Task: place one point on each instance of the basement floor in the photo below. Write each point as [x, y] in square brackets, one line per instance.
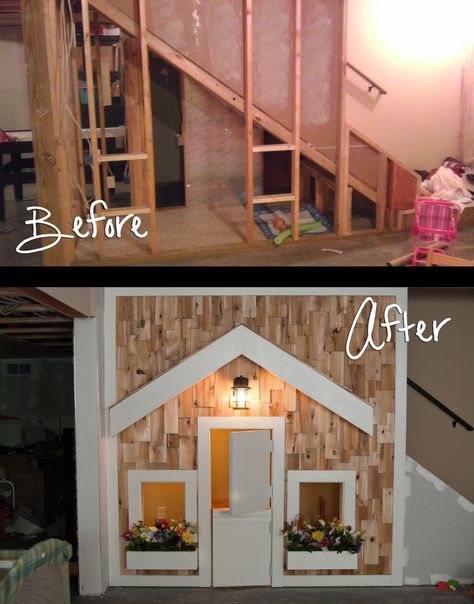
[190, 236]
[302, 595]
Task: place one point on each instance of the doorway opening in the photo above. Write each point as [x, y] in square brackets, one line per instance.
[167, 108]
[241, 500]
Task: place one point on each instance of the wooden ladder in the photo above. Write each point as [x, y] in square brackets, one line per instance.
[100, 157]
[294, 147]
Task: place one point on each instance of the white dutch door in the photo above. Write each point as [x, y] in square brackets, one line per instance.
[242, 537]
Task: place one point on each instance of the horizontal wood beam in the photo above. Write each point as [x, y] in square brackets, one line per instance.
[46, 336]
[50, 302]
[33, 330]
[36, 320]
[26, 307]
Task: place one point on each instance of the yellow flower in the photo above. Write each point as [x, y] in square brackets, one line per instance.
[187, 537]
[317, 535]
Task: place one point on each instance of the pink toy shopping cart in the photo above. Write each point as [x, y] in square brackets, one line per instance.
[436, 221]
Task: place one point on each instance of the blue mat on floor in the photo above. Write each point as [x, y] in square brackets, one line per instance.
[265, 215]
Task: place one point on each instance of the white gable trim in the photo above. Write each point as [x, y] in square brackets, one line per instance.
[241, 341]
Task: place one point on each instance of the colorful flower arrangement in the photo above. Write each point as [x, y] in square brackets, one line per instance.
[304, 536]
[164, 536]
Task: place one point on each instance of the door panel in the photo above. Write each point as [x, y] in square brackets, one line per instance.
[249, 472]
[241, 549]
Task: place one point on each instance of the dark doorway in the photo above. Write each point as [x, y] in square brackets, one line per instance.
[166, 91]
[276, 168]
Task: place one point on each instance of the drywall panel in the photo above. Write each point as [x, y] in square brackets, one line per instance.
[207, 32]
[439, 530]
[320, 59]
[210, 33]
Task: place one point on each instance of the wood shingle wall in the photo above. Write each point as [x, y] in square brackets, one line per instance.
[154, 334]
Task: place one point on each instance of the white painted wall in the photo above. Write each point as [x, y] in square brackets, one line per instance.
[439, 530]
[415, 50]
[83, 299]
[14, 108]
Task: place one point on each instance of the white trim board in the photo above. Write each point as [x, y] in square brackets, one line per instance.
[346, 478]
[242, 341]
[205, 425]
[136, 478]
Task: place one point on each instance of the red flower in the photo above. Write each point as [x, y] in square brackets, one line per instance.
[326, 541]
[443, 586]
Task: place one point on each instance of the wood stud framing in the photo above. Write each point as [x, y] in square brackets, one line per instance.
[294, 145]
[102, 158]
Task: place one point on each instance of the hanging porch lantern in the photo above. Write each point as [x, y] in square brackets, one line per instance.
[240, 393]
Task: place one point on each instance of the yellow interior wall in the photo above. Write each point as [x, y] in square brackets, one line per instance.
[220, 456]
[169, 495]
[310, 492]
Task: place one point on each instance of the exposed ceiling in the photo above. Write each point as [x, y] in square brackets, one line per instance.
[24, 316]
[10, 12]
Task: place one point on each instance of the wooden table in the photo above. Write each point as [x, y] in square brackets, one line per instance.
[13, 170]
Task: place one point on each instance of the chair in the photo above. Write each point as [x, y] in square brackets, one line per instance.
[436, 221]
[437, 259]
[37, 575]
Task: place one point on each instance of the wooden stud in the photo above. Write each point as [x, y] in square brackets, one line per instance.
[100, 95]
[148, 125]
[343, 135]
[92, 116]
[296, 121]
[134, 118]
[45, 72]
[382, 185]
[248, 96]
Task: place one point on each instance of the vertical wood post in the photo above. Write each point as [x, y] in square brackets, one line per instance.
[248, 94]
[100, 96]
[382, 189]
[296, 126]
[56, 191]
[150, 169]
[134, 118]
[92, 116]
[342, 225]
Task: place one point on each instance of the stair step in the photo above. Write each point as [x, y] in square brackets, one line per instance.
[107, 159]
[285, 197]
[272, 148]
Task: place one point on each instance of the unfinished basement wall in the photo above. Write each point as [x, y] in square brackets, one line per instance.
[14, 107]
[156, 333]
[415, 51]
[215, 155]
[210, 34]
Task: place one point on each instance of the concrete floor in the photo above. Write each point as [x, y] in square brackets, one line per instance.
[303, 595]
[188, 230]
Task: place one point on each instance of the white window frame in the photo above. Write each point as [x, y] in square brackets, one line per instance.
[136, 478]
[347, 480]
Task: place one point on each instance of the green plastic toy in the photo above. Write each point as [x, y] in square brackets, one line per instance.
[304, 228]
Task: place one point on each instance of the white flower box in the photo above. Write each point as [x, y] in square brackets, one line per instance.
[321, 561]
[162, 560]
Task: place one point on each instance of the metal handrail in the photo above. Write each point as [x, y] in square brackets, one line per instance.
[372, 84]
[455, 417]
